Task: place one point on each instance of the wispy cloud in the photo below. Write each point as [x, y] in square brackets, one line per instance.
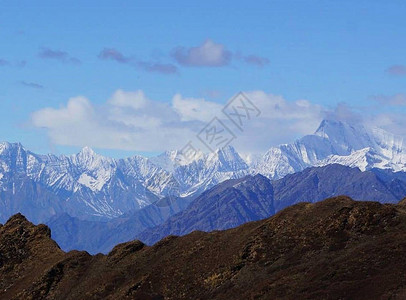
[208, 54]
[21, 64]
[31, 84]
[397, 70]
[157, 67]
[117, 56]
[256, 60]
[4, 63]
[7, 63]
[212, 54]
[62, 56]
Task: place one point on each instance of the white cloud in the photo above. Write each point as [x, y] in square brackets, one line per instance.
[280, 121]
[132, 121]
[127, 121]
[392, 122]
[207, 54]
[73, 124]
[77, 109]
[395, 100]
[135, 100]
[192, 109]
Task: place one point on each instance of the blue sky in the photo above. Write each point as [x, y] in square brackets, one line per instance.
[327, 52]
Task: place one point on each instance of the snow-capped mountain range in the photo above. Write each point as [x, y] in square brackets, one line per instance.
[89, 185]
[352, 145]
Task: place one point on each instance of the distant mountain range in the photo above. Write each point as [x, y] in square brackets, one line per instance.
[92, 187]
[235, 202]
[227, 205]
[101, 236]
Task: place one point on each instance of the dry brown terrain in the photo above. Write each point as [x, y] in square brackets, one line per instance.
[334, 249]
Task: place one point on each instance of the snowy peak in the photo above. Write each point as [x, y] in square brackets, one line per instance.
[170, 160]
[356, 136]
[344, 137]
[87, 155]
[350, 144]
[228, 153]
[6, 147]
[226, 156]
[348, 138]
[87, 151]
[13, 157]
[331, 128]
[227, 159]
[87, 159]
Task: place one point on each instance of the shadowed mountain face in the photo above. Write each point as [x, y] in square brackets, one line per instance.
[334, 249]
[315, 184]
[225, 206]
[229, 204]
[95, 236]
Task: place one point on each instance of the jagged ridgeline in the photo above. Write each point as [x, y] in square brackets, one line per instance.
[334, 249]
[93, 187]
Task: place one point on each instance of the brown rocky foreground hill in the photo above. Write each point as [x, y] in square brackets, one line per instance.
[335, 249]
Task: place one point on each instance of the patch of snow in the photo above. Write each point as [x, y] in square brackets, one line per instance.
[92, 183]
